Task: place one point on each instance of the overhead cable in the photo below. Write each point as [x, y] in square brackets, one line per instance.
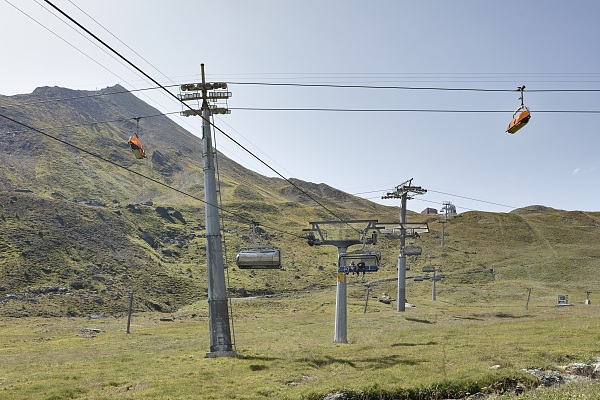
[185, 104]
[133, 172]
[330, 85]
[403, 110]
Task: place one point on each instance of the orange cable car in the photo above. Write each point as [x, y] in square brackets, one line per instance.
[519, 120]
[135, 144]
[136, 147]
[521, 116]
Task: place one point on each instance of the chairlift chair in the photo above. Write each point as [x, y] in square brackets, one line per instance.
[134, 142]
[359, 261]
[259, 256]
[136, 147]
[412, 250]
[520, 117]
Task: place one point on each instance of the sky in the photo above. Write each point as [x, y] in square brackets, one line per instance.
[437, 86]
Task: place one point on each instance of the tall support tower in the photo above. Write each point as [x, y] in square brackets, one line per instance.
[218, 313]
[342, 235]
[402, 192]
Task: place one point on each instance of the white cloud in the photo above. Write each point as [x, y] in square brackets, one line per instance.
[578, 170]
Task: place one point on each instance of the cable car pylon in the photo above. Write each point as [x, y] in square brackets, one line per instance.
[405, 191]
[343, 235]
[221, 344]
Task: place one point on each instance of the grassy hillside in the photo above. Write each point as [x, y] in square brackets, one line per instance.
[79, 233]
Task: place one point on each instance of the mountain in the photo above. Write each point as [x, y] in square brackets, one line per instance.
[82, 226]
[84, 222]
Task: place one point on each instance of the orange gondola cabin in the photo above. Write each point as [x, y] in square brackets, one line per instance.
[136, 147]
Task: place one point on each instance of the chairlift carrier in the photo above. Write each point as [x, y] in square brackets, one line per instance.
[259, 256]
[412, 250]
[135, 144]
[521, 116]
[359, 261]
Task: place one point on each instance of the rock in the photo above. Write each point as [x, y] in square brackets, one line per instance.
[77, 285]
[134, 208]
[178, 215]
[338, 396]
[580, 369]
[146, 237]
[89, 331]
[163, 212]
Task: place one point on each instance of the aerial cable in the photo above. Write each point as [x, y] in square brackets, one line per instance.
[104, 50]
[58, 36]
[434, 202]
[137, 173]
[122, 119]
[404, 110]
[470, 198]
[75, 46]
[258, 148]
[123, 43]
[185, 104]
[328, 85]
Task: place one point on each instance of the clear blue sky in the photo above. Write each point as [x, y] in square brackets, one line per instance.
[477, 44]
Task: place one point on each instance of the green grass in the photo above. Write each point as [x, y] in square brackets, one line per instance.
[284, 342]
[285, 350]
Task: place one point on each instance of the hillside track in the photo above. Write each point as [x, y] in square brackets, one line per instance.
[538, 233]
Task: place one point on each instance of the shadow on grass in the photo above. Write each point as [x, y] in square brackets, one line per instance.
[375, 362]
[471, 318]
[413, 344]
[390, 361]
[257, 358]
[506, 315]
[423, 321]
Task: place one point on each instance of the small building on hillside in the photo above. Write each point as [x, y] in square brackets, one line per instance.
[429, 211]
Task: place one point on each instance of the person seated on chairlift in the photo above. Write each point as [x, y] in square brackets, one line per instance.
[361, 265]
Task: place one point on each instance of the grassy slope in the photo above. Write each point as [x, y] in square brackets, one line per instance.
[285, 350]
[100, 253]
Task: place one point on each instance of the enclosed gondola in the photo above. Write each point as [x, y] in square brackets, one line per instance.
[259, 256]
